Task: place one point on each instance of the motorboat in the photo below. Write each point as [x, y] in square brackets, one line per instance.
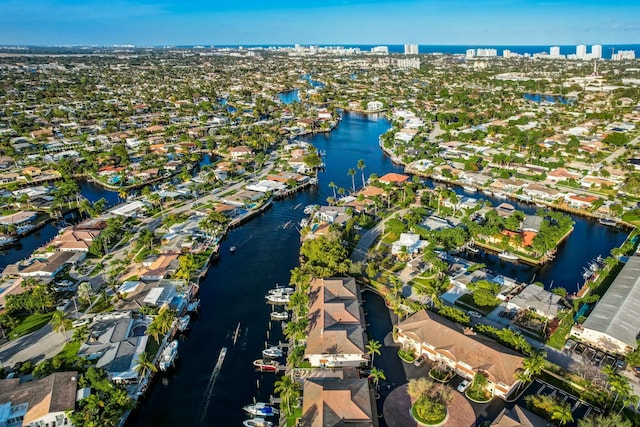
[257, 422]
[183, 323]
[469, 189]
[168, 355]
[7, 241]
[473, 249]
[272, 352]
[266, 365]
[193, 305]
[232, 249]
[277, 299]
[508, 256]
[279, 315]
[608, 221]
[261, 409]
[304, 222]
[281, 290]
[309, 209]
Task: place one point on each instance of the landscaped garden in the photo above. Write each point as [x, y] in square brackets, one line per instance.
[477, 391]
[407, 355]
[429, 401]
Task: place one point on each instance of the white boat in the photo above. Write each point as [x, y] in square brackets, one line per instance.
[7, 241]
[277, 299]
[257, 422]
[469, 189]
[309, 209]
[281, 290]
[304, 222]
[506, 255]
[272, 352]
[266, 365]
[261, 409]
[168, 355]
[499, 195]
[472, 249]
[183, 323]
[608, 221]
[232, 249]
[279, 315]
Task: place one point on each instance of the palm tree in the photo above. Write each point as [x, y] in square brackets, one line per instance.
[361, 167]
[288, 389]
[562, 413]
[604, 420]
[376, 375]
[373, 348]
[60, 323]
[187, 266]
[333, 186]
[122, 194]
[145, 364]
[534, 364]
[352, 174]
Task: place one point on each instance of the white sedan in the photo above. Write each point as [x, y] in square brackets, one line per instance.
[463, 386]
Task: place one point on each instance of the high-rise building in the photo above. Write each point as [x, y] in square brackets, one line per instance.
[470, 53]
[554, 51]
[596, 51]
[621, 55]
[506, 53]
[487, 52]
[581, 51]
[410, 49]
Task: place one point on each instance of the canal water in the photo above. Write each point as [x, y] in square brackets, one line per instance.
[232, 295]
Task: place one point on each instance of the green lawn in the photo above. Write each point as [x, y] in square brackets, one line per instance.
[70, 351]
[389, 238]
[30, 323]
[467, 300]
[559, 337]
[292, 420]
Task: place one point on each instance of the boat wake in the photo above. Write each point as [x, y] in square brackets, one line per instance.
[208, 392]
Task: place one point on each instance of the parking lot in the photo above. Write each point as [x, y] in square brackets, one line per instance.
[591, 355]
[579, 408]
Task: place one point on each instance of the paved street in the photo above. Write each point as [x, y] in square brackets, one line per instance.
[39, 345]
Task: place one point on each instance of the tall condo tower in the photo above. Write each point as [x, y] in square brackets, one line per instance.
[410, 49]
[554, 51]
[596, 51]
[581, 51]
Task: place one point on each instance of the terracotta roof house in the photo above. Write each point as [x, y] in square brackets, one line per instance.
[336, 335]
[47, 267]
[329, 402]
[393, 178]
[240, 151]
[519, 417]
[463, 351]
[75, 240]
[38, 402]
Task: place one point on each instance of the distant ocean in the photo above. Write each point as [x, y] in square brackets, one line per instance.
[461, 49]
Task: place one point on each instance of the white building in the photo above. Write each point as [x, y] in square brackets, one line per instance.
[374, 106]
[554, 51]
[409, 242]
[410, 49]
[623, 55]
[487, 53]
[506, 53]
[471, 53]
[613, 325]
[581, 51]
[596, 51]
[380, 49]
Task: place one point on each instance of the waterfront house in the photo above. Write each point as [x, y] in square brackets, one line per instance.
[117, 339]
[614, 324]
[329, 402]
[18, 218]
[39, 402]
[73, 239]
[580, 202]
[332, 214]
[409, 242]
[393, 178]
[47, 267]
[336, 335]
[562, 174]
[461, 350]
[535, 298]
[240, 151]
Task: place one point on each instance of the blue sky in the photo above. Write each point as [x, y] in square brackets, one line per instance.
[216, 22]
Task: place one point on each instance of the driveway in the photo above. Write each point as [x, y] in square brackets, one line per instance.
[36, 346]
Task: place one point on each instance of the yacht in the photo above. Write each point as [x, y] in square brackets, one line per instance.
[608, 221]
[279, 315]
[232, 249]
[183, 322]
[508, 256]
[168, 355]
[272, 352]
[261, 409]
[257, 422]
[309, 209]
[7, 241]
[281, 290]
[277, 298]
[266, 365]
[193, 305]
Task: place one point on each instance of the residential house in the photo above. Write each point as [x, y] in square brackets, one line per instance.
[393, 178]
[336, 335]
[32, 171]
[73, 239]
[333, 402]
[535, 298]
[240, 151]
[374, 106]
[580, 202]
[39, 402]
[519, 417]
[410, 243]
[48, 267]
[332, 214]
[18, 218]
[562, 174]
[461, 350]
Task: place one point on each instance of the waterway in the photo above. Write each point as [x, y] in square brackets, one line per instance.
[538, 97]
[267, 249]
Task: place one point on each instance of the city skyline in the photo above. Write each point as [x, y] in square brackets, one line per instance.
[488, 22]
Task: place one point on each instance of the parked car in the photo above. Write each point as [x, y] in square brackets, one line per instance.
[420, 360]
[463, 386]
[474, 314]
